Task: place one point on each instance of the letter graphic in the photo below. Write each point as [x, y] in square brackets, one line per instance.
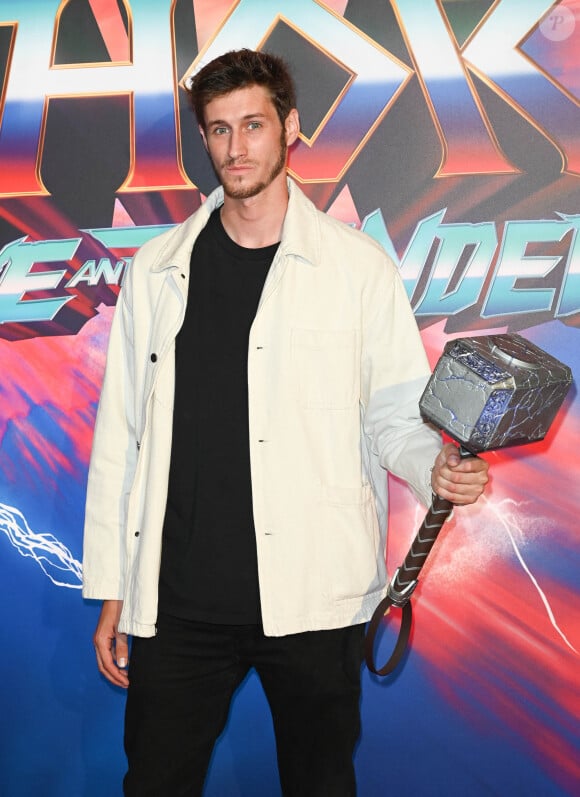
[17, 279]
[505, 297]
[461, 255]
[569, 301]
[32, 79]
[495, 53]
[467, 138]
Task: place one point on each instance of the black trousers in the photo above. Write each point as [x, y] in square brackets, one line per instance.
[181, 685]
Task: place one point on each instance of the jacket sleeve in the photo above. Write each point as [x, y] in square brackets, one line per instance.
[112, 465]
[395, 371]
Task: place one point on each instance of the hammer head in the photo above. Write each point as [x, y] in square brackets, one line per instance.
[494, 391]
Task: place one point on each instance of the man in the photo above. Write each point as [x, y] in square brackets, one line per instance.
[263, 372]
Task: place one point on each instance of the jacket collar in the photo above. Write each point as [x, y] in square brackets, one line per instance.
[300, 231]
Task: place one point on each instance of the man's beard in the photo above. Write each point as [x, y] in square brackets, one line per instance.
[245, 192]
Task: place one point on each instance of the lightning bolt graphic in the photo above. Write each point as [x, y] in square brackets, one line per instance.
[54, 558]
[510, 525]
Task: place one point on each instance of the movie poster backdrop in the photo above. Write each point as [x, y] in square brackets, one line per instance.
[447, 130]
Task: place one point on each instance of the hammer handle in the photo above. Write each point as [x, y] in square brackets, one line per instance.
[402, 585]
[404, 582]
[408, 572]
[405, 578]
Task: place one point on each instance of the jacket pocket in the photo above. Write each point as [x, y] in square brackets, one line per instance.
[352, 542]
[325, 364]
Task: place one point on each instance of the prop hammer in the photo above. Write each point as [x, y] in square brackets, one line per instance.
[486, 392]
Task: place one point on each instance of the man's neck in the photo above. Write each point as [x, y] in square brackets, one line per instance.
[256, 222]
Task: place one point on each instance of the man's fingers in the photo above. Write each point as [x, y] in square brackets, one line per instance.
[461, 487]
[110, 670]
[110, 651]
[459, 480]
[111, 647]
[121, 650]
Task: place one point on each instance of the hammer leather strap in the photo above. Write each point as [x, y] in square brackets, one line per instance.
[402, 639]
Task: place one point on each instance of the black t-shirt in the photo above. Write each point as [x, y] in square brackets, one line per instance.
[209, 566]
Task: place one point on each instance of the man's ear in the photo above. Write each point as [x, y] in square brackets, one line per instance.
[203, 138]
[292, 126]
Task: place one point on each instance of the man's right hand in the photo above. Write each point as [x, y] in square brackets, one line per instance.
[111, 647]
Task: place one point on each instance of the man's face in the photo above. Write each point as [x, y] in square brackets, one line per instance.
[246, 141]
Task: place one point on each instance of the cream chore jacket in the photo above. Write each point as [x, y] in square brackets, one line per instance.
[335, 371]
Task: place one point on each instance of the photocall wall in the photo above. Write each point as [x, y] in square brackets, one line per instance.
[448, 131]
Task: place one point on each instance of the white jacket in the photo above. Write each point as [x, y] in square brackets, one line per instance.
[335, 371]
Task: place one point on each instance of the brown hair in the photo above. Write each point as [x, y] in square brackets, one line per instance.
[238, 69]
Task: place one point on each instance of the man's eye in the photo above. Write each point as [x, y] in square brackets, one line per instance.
[254, 125]
[219, 131]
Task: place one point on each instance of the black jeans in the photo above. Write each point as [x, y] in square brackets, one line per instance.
[181, 685]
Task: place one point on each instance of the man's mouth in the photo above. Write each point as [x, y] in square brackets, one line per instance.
[237, 166]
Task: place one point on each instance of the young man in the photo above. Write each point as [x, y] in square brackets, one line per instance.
[264, 371]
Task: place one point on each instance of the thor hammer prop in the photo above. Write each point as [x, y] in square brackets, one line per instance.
[486, 392]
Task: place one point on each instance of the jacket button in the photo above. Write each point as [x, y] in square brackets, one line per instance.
[137, 533]
[153, 358]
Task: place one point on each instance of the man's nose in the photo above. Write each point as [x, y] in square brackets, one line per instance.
[237, 144]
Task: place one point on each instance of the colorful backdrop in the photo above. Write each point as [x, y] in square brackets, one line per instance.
[449, 131]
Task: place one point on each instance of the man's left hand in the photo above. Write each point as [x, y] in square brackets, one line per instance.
[460, 481]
